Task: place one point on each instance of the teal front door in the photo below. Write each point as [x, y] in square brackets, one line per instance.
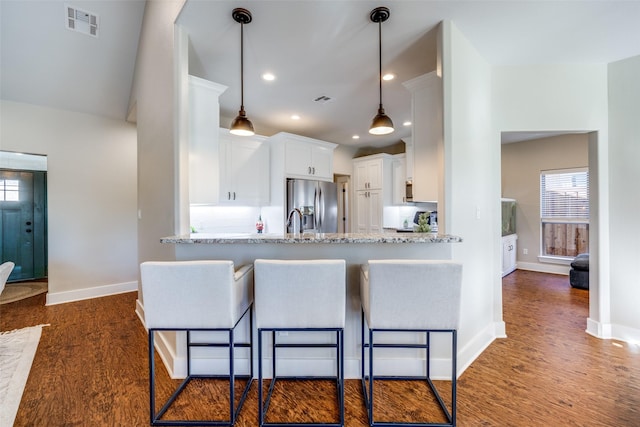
[23, 223]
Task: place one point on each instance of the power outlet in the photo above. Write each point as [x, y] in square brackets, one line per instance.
[525, 251]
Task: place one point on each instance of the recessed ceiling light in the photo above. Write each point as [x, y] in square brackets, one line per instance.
[407, 123]
[355, 137]
[268, 77]
[388, 76]
[295, 117]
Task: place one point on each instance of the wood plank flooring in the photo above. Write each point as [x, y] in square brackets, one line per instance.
[91, 368]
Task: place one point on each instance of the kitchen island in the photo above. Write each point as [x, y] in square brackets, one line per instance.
[355, 249]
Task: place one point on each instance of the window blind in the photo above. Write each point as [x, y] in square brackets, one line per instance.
[564, 195]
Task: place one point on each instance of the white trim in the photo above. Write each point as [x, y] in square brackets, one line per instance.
[544, 268]
[613, 331]
[476, 345]
[54, 298]
[547, 259]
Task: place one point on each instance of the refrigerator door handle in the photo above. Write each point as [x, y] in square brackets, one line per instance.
[318, 216]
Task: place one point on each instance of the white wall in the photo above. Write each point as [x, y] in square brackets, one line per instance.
[91, 196]
[624, 227]
[472, 190]
[154, 98]
[567, 97]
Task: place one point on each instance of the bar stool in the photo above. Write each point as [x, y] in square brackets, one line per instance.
[294, 296]
[197, 296]
[409, 296]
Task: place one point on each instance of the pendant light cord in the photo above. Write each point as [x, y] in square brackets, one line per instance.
[242, 66]
[380, 59]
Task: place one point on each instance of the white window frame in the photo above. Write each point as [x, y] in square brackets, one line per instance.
[560, 219]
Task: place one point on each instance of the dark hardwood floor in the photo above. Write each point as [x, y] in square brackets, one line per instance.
[91, 368]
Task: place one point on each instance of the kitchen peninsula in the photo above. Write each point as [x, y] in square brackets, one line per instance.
[355, 248]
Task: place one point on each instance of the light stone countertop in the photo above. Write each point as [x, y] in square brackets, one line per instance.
[335, 238]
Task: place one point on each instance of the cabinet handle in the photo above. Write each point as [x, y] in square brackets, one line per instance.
[234, 195]
[228, 195]
[314, 170]
[309, 168]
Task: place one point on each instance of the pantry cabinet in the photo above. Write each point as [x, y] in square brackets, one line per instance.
[373, 191]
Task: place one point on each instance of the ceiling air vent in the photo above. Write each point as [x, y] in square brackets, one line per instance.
[322, 99]
[81, 21]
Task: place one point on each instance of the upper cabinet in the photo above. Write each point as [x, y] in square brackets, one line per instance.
[368, 172]
[244, 169]
[306, 157]
[223, 168]
[204, 123]
[427, 140]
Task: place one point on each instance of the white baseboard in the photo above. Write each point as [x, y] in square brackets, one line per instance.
[613, 331]
[54, 298]
[544, 268]
[470, 352]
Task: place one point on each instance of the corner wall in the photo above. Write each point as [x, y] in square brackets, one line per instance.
[624, 227]
[472, 190]
[154, 99]
[91, 192]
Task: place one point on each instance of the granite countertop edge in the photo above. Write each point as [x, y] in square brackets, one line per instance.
[335, 238]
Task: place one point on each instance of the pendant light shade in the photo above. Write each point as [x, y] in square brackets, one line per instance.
[381, 124]
[241, 125]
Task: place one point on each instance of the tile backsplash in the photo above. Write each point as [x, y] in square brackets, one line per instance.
[224, 219]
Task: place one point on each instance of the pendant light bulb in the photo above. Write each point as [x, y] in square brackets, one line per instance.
[241, 125]
[381, 123]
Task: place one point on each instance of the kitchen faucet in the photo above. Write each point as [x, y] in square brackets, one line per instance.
[291, 223]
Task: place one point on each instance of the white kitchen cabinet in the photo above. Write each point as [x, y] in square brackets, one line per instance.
[204, 124]
[243, 169]
[509, 253]
[373, 191]
[399, 177]
[307, 158]
[368, 174]
[369, 208]
[427, 138]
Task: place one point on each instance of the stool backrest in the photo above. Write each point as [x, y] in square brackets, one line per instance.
[300, 293]
[5, 271]
[190, 294]
[420, 294]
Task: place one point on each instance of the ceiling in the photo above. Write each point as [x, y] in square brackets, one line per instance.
[315, 48]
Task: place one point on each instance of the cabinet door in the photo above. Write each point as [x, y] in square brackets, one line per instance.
[368, 174]
[322, 162]
[509, 252]
[399, 181]
[362, 212]
[298, 159]
[375, 211]
[244, 172]
[374, 171]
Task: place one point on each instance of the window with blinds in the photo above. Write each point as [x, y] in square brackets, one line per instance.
[564, 212]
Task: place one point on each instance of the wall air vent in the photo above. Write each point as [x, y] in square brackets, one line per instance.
[81, 21]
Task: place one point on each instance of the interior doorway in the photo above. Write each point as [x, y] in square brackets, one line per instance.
[23, 218]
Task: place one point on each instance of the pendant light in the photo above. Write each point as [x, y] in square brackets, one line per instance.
[381, 124]
[241, 125]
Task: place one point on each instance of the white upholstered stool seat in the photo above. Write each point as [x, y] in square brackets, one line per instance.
[197, 296]
[300, 295]
[421, 296]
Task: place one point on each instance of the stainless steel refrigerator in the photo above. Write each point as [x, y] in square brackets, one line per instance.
[317, 202]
